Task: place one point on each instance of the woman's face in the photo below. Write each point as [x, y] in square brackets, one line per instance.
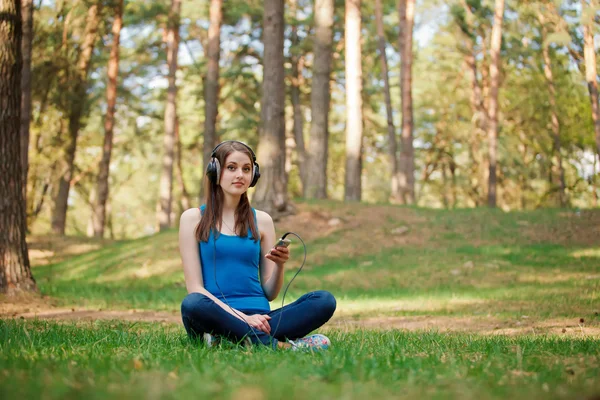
[236, 174]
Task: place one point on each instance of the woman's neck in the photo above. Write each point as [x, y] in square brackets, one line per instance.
[230, 204]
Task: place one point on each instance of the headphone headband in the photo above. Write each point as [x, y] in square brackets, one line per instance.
[214, 152]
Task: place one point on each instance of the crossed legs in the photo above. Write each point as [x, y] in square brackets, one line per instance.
[202, 315]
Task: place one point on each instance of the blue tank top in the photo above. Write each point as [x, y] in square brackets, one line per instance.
[236, 265]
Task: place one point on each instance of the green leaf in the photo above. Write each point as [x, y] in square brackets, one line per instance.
[560, 38]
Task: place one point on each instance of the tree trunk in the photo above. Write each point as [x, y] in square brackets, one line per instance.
[296, 82]
[493, 102]
[480, 115]
[316, 171]
[523, 179]
[211, 83]
[185, 196]
[32, 210]
[445, 188]
[99, 210]
[594, 185]
[15, 272]
[354, 122]
[166, 179]
[485, 68]
[27, 20]
[92, 201]
[109, 221]
[392, 145]
[479, 122]
[271, 190]
[562, 198]
[76, 106]
[591, 72]
[484, 171]
[452, 167]
[406, 10]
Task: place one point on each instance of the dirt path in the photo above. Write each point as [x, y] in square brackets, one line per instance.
[40, 308]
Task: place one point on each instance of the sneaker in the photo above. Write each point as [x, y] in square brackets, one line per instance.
[210, 340]
[213, 341]
[313, 342]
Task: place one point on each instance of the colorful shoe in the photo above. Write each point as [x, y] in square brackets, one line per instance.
[214, 341]
[210, 340]
[313, 342]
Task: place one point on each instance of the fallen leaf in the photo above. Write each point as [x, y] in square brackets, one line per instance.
[137, 364]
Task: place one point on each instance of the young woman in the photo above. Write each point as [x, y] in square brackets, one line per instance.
[232, 269]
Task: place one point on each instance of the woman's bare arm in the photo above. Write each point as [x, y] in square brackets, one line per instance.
[271, 266]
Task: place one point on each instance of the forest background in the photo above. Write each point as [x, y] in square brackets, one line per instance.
[438, 104]
[546, 145]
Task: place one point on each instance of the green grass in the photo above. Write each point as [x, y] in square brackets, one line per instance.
[481, 264]
[106, 359]
[543, 263]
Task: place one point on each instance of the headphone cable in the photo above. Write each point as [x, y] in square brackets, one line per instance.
[291, 280]
[215, 269]
[284, 292]
[223, 294]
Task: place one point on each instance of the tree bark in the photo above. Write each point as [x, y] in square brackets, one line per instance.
[484, 167]
[271, 190]
[34, 149]
[594, 185]
[479, 118]
[296, 82]
[562, 195]
[102, 189]
[185, 196]
[493, 99]
[27, 20]
[354, 122]
[479, 121]
[452, 167]
[166, 179]
[523, 179]
[480, 113]
[590, 72]
[76, 107]
[406, 11]
[15, 271]
[211, 83]
[318, 147]
[392, 145]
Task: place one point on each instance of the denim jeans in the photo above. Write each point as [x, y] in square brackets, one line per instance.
[202, 315]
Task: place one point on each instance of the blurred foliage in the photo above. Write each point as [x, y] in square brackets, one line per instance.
[441, 91]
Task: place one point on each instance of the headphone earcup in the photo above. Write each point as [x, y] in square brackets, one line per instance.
[213, 171]
[255, 175]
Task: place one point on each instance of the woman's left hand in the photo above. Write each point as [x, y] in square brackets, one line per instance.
[279, 255]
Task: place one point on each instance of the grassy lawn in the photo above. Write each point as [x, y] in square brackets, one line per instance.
[544, 264]
[462, 278]
[105, 359]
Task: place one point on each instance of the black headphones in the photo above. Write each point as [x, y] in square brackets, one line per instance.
[213, 169]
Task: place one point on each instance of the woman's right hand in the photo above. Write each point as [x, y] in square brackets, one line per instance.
[260, 322]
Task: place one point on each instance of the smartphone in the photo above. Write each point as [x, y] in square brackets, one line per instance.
[282, 243]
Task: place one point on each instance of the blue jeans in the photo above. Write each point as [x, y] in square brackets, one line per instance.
[202, 315]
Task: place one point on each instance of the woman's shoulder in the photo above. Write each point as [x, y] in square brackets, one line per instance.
[192, 215]
[263, 217]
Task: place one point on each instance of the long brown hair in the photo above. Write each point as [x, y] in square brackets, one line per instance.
[213, 213]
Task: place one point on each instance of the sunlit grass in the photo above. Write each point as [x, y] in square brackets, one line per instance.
[457, 262]
[480, 274]
[591, 252]
[106, 359]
